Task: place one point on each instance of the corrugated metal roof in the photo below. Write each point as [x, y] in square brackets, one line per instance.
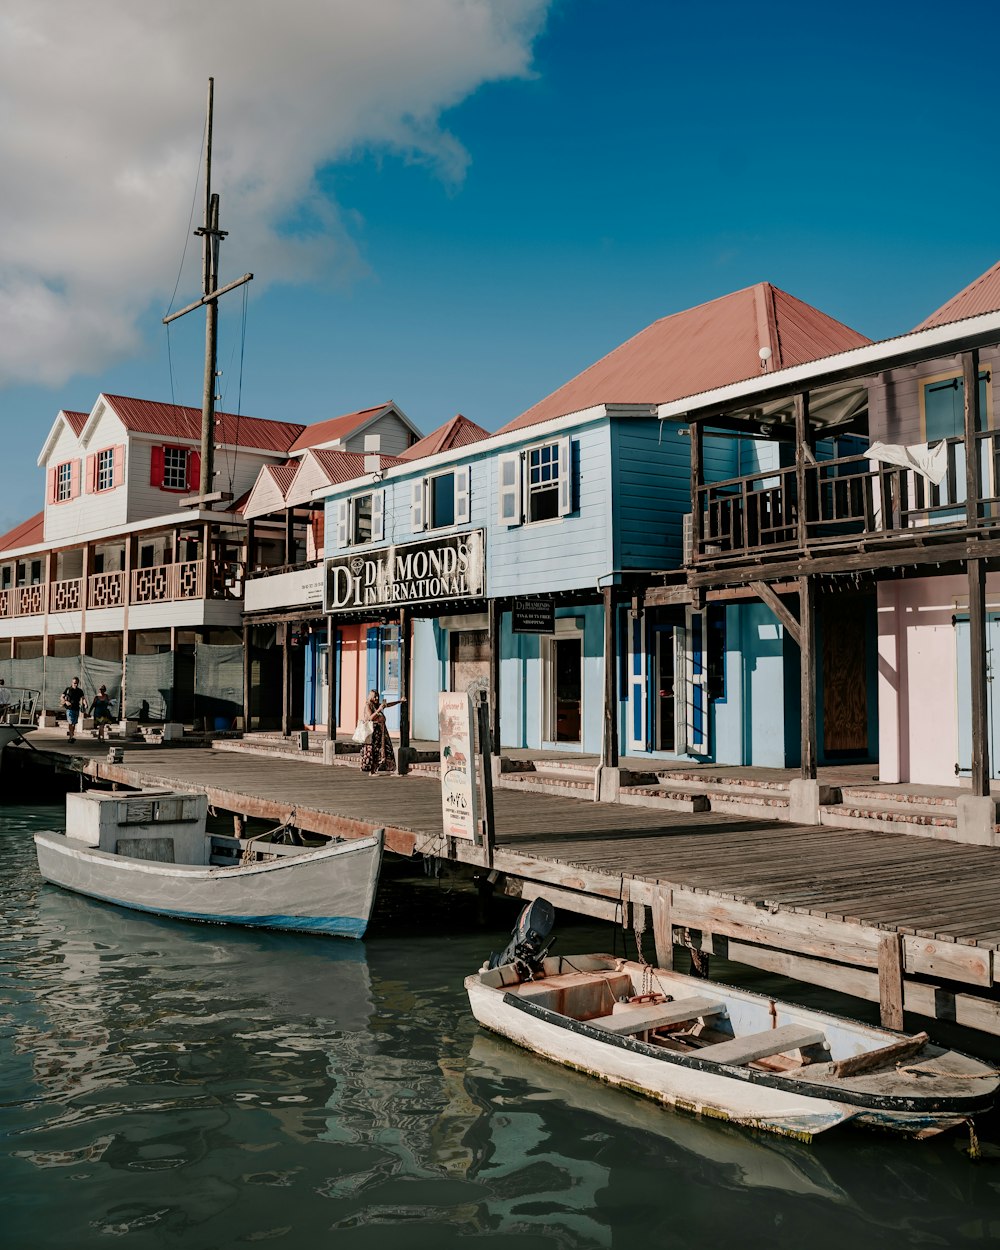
[27, 534]
[145, 416]
[77, 420]
[458, 432]
[345, 466]
[335, 428]
[700, 349]
[981, 296]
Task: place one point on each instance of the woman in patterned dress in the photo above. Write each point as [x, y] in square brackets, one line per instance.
[377, 755]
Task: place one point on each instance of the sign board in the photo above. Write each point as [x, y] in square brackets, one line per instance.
[452, 567]
[459, 788]
[533, 616]
[297, 589]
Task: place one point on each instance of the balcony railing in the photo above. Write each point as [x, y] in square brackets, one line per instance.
[162, 583]
[845, 500]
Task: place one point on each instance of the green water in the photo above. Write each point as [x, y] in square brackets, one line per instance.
[171, 1085]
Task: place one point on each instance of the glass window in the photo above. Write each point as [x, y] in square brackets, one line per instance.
[543, 482]
[944, 407]
[64, 481]
[106, 469]
[361, 530]
[442, 502]
[175, 465]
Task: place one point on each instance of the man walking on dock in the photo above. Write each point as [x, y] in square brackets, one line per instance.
[74, 701]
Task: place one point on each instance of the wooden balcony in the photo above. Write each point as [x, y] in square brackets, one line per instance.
[162, 583]
[846, 502]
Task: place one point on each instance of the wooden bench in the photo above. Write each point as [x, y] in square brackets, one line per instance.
[740, 1050]
[642, 1017]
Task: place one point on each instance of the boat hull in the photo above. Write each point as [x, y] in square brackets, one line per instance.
[778, 1103]
[329, 891]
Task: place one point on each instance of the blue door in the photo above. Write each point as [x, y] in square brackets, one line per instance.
[964, 667]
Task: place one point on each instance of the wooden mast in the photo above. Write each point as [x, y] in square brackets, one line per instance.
[211, 238]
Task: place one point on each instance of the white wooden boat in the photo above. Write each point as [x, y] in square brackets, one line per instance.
[719, 1051]
[148, 851]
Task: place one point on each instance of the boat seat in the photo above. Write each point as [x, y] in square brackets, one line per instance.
[740, 1050]
[641, 1017]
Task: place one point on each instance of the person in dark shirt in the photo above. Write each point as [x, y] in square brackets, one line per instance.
[100, 709]
[75, 702]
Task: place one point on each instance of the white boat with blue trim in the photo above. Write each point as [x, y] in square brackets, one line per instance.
[148, 851]
[716, 1050]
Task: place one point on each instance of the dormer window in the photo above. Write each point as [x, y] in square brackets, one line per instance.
[64, 482]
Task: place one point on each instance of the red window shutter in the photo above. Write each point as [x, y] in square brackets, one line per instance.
[156, 466]
[91, 474]
[74, 479]
[53, 485]
[119, 469]
[194, 470]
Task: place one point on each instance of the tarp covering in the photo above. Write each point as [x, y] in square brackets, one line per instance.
[149, 685]
[218, 684]
[51, 675]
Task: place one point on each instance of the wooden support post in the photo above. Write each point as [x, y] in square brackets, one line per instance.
[890, 980]
[289, 535]
[801, 444]
[84, 597]
[973, 424]
[250, 540]
[404, 690]
[663, 929]
[609, 746]
[696, 431]
[807, 674]
[247, 675]
[481, 712]
[767, 594]
[493, 690]
[333, 695]
[978, 664]
[286, 680]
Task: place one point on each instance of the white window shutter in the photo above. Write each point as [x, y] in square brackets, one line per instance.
[680, 690]
[378, 516]
[565, 477]
[463, 509]
[509, 503]
[696, 681]
[343, 519]
[418, 512]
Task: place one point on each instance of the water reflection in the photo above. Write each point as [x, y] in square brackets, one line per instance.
[187, 1085]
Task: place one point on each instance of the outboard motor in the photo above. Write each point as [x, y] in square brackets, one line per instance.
[525, 949]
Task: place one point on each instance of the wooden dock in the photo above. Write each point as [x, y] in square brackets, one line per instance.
[911, 923]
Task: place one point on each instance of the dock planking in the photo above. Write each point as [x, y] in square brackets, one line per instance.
[815, 900]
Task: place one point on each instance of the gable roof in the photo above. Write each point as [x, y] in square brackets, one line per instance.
[145, 416]
[269, 490]
[336, 429]
[982, 295]
[458, 432]
[699, 349]
[75, 420]
[28, 534]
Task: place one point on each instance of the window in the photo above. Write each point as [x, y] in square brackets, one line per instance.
[360, 520]
[441, 501]
[543, 482]
[174, 468]
[175, 465]
[942, 402]
[536, 484]
[106, 468]
[64, 482]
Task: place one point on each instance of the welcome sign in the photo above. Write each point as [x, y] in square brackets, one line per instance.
[452, 567]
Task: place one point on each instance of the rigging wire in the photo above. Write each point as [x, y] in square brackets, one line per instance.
[180, 268]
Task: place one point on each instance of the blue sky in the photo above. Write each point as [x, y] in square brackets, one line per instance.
[537, 192]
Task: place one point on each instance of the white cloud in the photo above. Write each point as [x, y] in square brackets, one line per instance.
[102, 106]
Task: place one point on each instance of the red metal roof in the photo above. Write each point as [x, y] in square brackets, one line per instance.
[701, 348]
[458, 432]
[345, 466]
[980, 296]
[335, 428]
[144, 416]
[77, 420]
[283, 474]
[28, 534]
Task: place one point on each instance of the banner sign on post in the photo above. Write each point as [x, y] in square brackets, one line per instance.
[533, 616]
[459, 789]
